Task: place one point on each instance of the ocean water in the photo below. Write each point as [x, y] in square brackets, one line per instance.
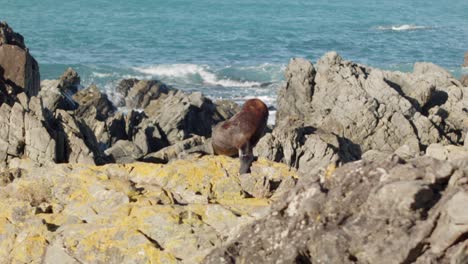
[233, 49]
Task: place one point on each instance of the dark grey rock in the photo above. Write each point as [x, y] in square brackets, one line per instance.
[8, 36]
[92, 102]
[174, 151]
[19, 70]
[374, 109]
[142, 92]
[387, 211]
[121, 91]
[69, 82]
[124, 151]
[305, 148]
[22, 133]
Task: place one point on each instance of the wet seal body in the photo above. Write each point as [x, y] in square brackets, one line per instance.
[241, 133]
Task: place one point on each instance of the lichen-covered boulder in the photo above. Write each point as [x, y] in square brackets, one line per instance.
[131, 213]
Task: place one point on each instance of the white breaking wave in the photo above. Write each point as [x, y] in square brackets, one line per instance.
[405, 27]
[185, 71]
[102, 75]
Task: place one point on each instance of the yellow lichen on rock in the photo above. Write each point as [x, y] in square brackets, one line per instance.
[139, 212]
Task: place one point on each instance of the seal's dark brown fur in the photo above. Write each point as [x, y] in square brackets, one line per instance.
[241, 133]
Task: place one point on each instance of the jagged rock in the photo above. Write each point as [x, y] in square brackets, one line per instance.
[93, 103]
[142, 92]
[164, 115]
[71, 146]
[449, 152]
[132, 213]
[57, 94]
[179, 115]
[306, 148]
[226, 109]
[124, 151]
[22, 133]
[121, 91]
[19, 69]
[172, 152]
[452, 116]
[69, 82]
[148, 136]
[386, 211]
[375, 109]
[8, 36]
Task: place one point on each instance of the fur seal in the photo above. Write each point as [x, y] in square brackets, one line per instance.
[240, 134]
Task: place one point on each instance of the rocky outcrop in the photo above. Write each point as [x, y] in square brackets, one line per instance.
[134, 213]
[19, 69]
[9, 37]
[22, 133]
[374, 110]
[308, 149]
[58, 94]
[387, 211]
[169, 115]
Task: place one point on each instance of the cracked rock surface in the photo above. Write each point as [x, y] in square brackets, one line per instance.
[370, 112]
[387, 211]
[132, 213]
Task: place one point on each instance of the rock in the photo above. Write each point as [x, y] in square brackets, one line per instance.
[386, 211]
[180, 115]
[174, 151]
[374, 109]
[226, 109]
[22, 133]
[71, 146]
[449, 152]
[305, 148]
[124, 151]
[132, 213]
[142, 92]
[450, 114]
[121, 91]
[69, 82]
[58, 94]
[93, 103]
[297, 94]
[9, 37]
[149, 137]
[19, 69]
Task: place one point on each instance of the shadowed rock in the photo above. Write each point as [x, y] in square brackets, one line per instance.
[364, 212]
[20, 69]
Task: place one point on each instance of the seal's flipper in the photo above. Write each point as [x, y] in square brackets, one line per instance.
[246, 158]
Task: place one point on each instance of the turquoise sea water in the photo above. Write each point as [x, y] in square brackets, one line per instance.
[233, 49]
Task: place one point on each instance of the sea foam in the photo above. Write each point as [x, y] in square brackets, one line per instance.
[405, 27]
[189, 71]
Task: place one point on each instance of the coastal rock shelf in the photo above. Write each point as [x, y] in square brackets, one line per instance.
[386, 211]
[362, 166]
[340, 111]
[132, 213]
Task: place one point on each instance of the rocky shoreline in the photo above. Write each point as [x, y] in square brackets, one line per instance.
[363, 166]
